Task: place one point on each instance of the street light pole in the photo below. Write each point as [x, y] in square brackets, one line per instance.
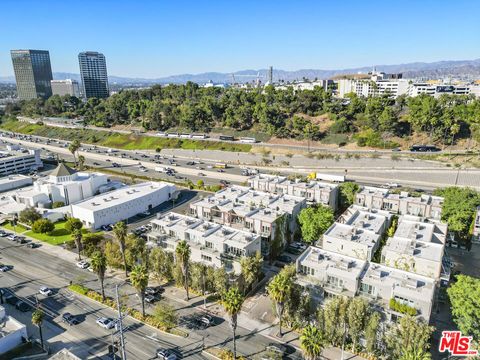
[120, 327]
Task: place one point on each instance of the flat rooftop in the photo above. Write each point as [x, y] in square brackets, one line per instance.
[351, 233]
[122, 195]
[403, 195]
[414, 229]
[13, 178]
[362, 218]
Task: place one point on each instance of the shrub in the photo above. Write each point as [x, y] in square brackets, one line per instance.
[58, 204]
[73, 224]
[402, 308]
[29, 216]
[43, 226]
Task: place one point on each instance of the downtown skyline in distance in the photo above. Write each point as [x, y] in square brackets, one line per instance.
[151, 39]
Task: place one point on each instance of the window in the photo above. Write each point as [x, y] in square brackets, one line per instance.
[404, 301]
[368, 289]
[307, 270]
[335, 282]
[206, 258]
[208, 245]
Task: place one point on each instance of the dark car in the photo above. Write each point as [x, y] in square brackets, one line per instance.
[5, 268]
[70, 319]
[22, 306]
[285, 259]
[12, 300]
[33, 245]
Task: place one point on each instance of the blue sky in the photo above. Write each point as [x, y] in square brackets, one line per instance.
[159, 38]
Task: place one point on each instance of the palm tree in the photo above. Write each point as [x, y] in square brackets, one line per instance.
[139, 279]
[279, 290]
[415, 353]
[182, 253]
[312, 342]
[232, 301]
[37, 319]
[78, 236]
[81, 162]
[120, 231]
[73, 148]
[99, 266]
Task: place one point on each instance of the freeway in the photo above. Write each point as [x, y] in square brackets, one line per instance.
[33, 268]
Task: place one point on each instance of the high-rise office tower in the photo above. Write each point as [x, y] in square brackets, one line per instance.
[33, 73]
[93, 70]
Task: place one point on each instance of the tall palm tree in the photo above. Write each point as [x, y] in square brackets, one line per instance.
[37, 319]
[279, 290]
[73, 148]
[182, 254]
[78, 237]
[81, 162]
[232, 301]
[99, 266]
[139, 279]
[312, 342]
[120, 231]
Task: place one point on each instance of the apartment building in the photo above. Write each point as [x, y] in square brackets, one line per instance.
[357, 233]
[417, 246]
[258, 212]
[17, 162]
[436, 90]
[427, 206]
[326, 274]
[476, 225]
[314, 191]
[210, 243]
[122, 203]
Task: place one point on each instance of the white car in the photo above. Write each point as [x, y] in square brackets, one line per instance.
[106, 323]
[165, 354]
[45, 291]
[83, 264]
[393, 185]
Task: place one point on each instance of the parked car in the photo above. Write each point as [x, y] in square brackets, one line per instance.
[45, 291]
[285, 259]
[33, 245]
[107, 227]
[5, 268]
[150, 299]
[70, 319]
[11, 299]
[83, 264]
[166, 354]
[22, 306]
[106, 323]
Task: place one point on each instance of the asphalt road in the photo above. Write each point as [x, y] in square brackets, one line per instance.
[34, 268]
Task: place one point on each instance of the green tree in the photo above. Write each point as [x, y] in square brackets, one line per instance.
[99, 266]
[139, 279]
[37, 320]
[312, 342]
[113, 254]
[43, 226]
[162, 264]
[220, 280]
[182, 254]
[120, 231]
[73, 148]
[29, 215]
[279, 290]
[232, 301]
[81, 162]
[57, 204]
[464, 295]
[415, 354]
[347, 191]
[371, 332]
[251, 268]
[166, 315]
[73, 224]
[335, 319]
[357, 319]
[407, 335]
[77, 237]
[314, 221]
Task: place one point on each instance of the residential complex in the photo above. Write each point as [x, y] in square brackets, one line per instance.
[65, 87]
[255, 211]
[63, 185]
[313, 191]
[122, 203]
[210, 243]
[33, 73]
[427, 206]
[19, 161]
[93, 71]
[357, 232]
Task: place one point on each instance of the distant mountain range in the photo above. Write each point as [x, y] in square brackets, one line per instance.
[466, 69]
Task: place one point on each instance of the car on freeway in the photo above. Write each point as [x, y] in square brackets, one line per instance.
[5, 268]
[201, 174]
[33, 245]
[96, 163]
[22, 306]
[166, 354]
[45, 291]
[106, 323]
[70, 319]
[83, 264]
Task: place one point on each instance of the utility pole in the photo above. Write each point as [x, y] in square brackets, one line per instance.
[120, 327]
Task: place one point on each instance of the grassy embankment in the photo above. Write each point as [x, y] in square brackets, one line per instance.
[120, 141]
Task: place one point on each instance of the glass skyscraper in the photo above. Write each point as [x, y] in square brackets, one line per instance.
[93, 71]
[33, 73]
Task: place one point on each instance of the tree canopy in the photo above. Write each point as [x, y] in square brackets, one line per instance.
[314, 221]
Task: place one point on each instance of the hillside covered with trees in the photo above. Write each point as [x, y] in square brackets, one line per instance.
[279, 113]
